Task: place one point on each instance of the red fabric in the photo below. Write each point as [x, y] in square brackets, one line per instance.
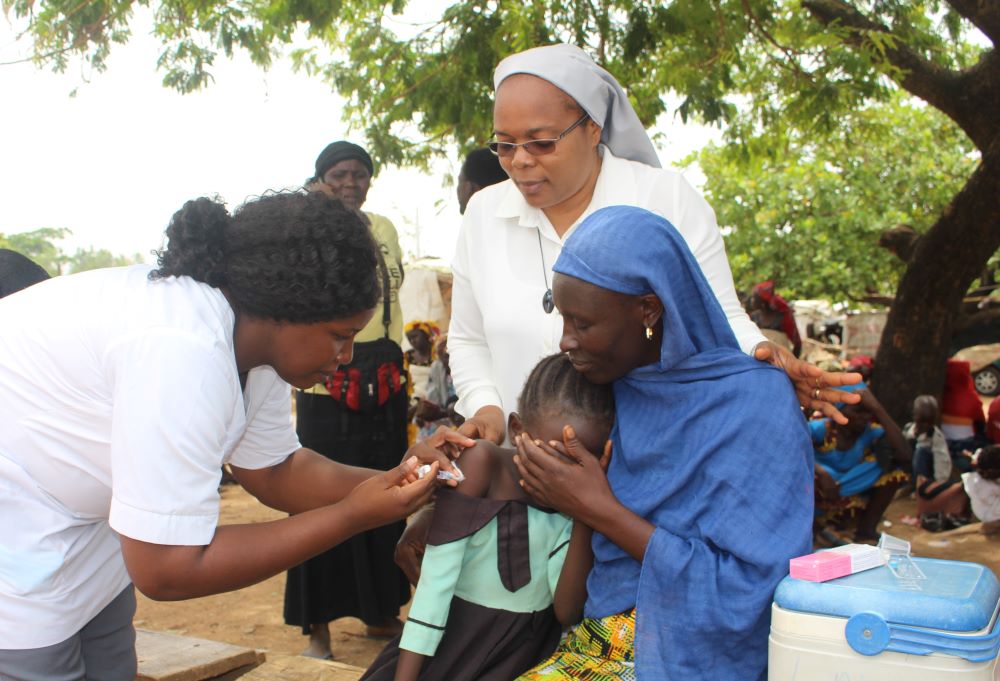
[345, 386]
[960, 397]
[335, 384]
[388, 382]
[860, 362]
[993, 422]
[354, 389]
[765, 290]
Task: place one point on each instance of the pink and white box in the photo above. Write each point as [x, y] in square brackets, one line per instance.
[832, 563]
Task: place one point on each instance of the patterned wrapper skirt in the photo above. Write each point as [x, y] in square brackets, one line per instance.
[595, 649]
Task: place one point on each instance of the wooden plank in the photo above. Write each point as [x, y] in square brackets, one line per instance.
[298, 668]
[168, 657]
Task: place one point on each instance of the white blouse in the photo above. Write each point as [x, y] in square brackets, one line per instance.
[984, 495]
[120, 401]
[499, 330]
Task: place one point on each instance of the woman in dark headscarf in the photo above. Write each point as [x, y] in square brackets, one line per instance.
[709, 490]
[358, 578]
[18, 272]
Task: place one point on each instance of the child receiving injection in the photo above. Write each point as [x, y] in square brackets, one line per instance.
[501, 577]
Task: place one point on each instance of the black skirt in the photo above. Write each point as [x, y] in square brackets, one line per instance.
[480, 644]
[359, 577]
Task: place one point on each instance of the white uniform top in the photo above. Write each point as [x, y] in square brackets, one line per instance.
[499, 330]
[984, 495]
[119, 400]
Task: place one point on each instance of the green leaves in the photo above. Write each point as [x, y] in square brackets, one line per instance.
[807, 208]
[40, 246]
[418, 89]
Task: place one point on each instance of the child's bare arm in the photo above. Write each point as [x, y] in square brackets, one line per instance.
[408, 666]
[571, 591]
[477, 467]
[893, 435]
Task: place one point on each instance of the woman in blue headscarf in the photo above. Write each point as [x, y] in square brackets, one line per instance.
[710, 488]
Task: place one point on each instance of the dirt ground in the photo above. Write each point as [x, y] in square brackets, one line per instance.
[252, 617]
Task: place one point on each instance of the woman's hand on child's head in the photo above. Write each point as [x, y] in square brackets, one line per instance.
[576, 451]
[441, 447]
[605, 459]
[391, 496]
[815, 388]
[571, 481]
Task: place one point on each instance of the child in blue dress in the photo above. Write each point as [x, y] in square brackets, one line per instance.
[502, 576]
[850, 480]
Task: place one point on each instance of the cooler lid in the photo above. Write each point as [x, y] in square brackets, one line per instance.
[955, 596]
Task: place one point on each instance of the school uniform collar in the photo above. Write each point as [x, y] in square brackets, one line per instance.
[615, 186]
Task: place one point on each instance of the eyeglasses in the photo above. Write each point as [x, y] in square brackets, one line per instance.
[533, 147]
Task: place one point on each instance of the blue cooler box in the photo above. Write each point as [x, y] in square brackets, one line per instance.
[875, 626]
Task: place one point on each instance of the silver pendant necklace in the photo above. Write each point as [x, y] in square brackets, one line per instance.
[548, 304]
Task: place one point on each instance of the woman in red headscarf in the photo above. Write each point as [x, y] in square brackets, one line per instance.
[771, 311]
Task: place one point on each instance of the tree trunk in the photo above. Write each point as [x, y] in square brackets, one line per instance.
[948, 258]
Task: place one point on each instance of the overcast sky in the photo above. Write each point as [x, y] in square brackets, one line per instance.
[114, 162]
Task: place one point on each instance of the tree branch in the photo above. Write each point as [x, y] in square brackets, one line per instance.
[793, 62]
[963, 96]
[984, 15]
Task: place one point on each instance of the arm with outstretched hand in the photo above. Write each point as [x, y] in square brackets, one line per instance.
[815, 388]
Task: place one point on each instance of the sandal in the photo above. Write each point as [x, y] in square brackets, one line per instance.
[932, 522]
[953, 522]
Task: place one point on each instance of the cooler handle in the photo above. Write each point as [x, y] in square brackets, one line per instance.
[869, 634]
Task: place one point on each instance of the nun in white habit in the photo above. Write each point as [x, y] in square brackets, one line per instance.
[568, 137]
[571, 143]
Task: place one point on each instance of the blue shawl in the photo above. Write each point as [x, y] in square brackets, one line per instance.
[710, 446]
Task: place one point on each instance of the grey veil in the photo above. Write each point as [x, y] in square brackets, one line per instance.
[571, 70]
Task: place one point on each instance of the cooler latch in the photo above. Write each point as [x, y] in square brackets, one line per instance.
[869, 634]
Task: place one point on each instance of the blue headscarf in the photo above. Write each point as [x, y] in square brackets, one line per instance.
[710, 446]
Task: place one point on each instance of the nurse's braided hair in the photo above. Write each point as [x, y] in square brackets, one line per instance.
[554, 387]
[294, 257]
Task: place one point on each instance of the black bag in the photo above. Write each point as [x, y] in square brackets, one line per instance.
[376, 371]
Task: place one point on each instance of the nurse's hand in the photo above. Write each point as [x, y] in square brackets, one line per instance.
[485, 424]
[565, 476]
[389, 497]
[815, 388]
[444, 445]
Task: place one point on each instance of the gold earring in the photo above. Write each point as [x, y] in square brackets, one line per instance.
[649, 333]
